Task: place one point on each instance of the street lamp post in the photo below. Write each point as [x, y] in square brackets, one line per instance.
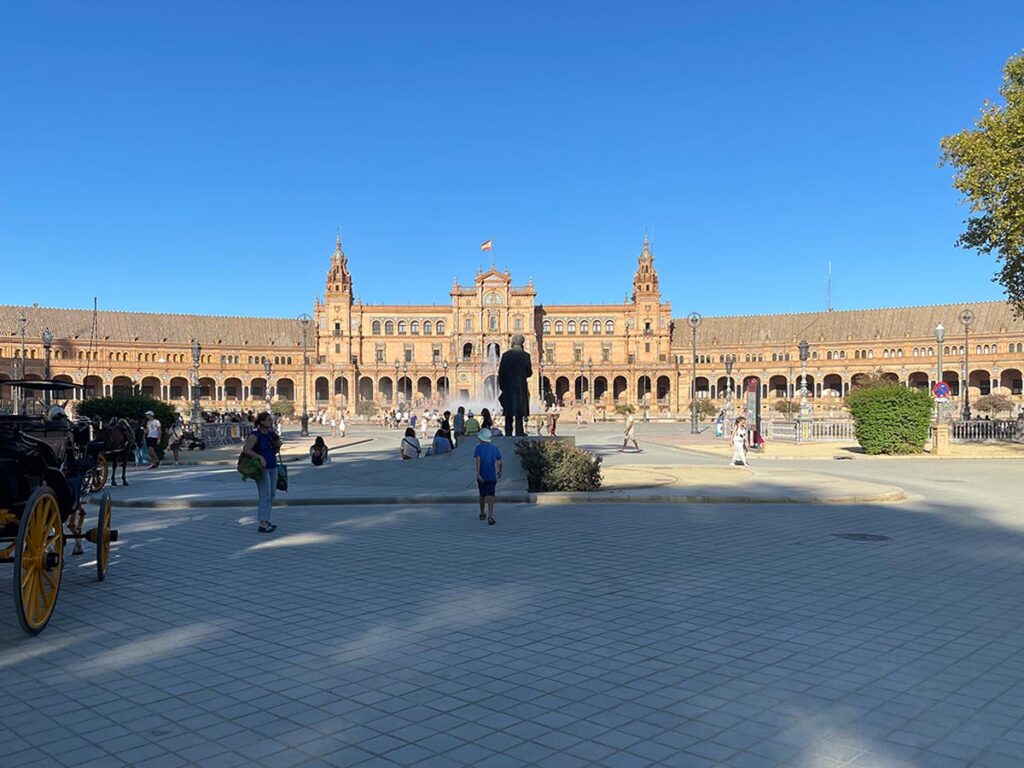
[590, 380]
[266, 390]
[729, 408]
[940, 334]
[197, 414]
[16, 369]
[304, 321]
[47, 345]
[408, 381]
[444, 398]
[394, 389]
[805, 406]
[694, 322]
[966, 318]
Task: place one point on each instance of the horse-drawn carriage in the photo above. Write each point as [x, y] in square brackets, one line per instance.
[47, 463]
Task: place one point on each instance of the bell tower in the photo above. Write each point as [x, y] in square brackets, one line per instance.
[645, 280]
[334, 326]
[339, 281]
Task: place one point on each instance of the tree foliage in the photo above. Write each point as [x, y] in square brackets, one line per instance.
[132, 407]
[993, 404]
[989, 163]
[889, 418]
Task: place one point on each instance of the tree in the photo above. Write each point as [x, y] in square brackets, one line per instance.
[788, 407]
[989, 163]
[993, 404]
[131, 407]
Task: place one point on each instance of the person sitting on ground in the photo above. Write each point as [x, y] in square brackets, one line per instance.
[442, 442]
[319, 453]
[472, 425]
[486, 422]
[410, 448]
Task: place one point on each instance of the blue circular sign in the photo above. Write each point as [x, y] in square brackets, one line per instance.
[941, 389]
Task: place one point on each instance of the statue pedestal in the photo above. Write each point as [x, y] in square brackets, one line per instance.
[940, 439]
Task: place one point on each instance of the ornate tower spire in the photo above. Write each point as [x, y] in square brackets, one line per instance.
[645, 280]
[339, 281]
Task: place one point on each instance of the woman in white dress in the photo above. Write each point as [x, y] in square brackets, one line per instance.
[739, 442]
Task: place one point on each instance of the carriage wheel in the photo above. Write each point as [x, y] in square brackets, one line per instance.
[38, 560]
[103, 537]
[98, 477]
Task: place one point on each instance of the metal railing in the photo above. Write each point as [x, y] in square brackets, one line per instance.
[817, 430]
[979, 431]
[227, 433]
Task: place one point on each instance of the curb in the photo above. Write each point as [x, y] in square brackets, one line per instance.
[284, 459]
[518, 497]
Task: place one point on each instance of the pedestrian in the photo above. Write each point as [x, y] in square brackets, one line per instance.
[341, 424]
[720, 424]
[487, 459]
[176, 435]
[460, 424]
[264, 443]
[154, 431]
[630, 432]
[410, 447]
[740, 446]
[334, 427]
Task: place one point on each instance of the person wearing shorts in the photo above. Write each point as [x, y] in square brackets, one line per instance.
[487, 458]
[153, 433]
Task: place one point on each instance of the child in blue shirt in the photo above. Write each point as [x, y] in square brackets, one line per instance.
[487, 458]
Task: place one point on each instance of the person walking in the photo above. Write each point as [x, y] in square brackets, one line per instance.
[175, 436]
[630, 433]
[153, 433]
[263, 443]
[341, 424]
[487, 459]
[740, 445]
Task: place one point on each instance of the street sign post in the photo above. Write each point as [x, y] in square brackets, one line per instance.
[941, 390]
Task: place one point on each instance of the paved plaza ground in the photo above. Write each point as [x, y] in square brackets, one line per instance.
[570, 634]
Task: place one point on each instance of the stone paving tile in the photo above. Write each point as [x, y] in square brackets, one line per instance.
[609, 636]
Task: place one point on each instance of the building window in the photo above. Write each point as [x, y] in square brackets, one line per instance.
[584, 327]
[606, 353]
[439, 328]
[546, 326]
[337, 329]
[435, 354]
[549, 354]
[378, 355]
[597, 327]
[337, 349]
[414, 327]
[493, 322]
[469, 325]
[571, 326]
[609, 327]
[517, 325]
[389, 328]
[647, 346]
[577, 354]
[408, 354]
[428, 327]
[401, 327]
[559, 327]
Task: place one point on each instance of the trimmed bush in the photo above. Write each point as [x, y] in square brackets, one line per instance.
[554, 465]
[132, 407]
[283, 408]
[889, 418]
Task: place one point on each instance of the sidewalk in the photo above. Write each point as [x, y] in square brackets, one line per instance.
[372, 473]
[780, 450]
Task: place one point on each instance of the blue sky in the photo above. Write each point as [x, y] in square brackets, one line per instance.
[198, 157]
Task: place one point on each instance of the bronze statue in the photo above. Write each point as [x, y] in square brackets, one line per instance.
[514, 372]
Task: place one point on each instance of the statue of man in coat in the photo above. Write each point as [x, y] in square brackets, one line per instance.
[514, 372]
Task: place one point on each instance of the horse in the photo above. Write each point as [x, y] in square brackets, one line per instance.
[118, 439]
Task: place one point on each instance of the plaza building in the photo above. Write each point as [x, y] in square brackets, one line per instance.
[593, 355]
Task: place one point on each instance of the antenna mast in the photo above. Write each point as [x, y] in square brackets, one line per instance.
[828, 294]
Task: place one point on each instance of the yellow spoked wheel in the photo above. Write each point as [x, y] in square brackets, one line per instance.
[98, 477]
[103, 537]
[38, 561]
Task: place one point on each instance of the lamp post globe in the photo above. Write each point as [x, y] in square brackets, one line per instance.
[940, 334]
[197, 413]
[266, 390]
[966, 319]
[304, 320]
[805, 354]
[729, 412]
[694, 318]
[444, 392]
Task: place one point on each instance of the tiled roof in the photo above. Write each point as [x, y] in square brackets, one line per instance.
[855, 325]
[146, 327]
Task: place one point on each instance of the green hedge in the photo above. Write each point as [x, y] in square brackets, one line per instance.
[889, 418]
[130, 407]
[555, 465]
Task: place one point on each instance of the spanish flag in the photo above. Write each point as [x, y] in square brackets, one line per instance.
[487, 245]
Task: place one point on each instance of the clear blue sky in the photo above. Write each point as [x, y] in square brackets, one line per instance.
[145, 144]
